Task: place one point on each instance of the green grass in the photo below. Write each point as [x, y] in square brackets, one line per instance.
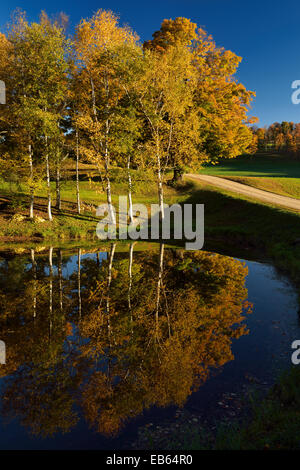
[67, 224]
[283, 186]
[92, 191]
[258, 165]
[270, 172]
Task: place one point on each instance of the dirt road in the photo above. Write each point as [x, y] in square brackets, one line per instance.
[245, 190]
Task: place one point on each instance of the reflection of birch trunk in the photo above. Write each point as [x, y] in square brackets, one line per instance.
[33, 263]
[59, 161]
[129, 190]
[130, 280]
[50, 289]
[109, 276]
[77, 172]
[79, 282]
[111, 257]
[59, 268]
[31, 183]
[159, 283]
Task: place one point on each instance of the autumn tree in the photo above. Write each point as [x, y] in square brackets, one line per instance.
[37, 86]
[127, 129]
[220, 102]
[280, 137]
[171, 33]
[96, 43]
[165, 96]
[17, 116]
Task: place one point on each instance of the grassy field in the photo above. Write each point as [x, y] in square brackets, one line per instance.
[283, 186]
[67, 224]
[232, 222]
[270, 172]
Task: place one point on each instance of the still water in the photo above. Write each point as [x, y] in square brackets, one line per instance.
[99, 343]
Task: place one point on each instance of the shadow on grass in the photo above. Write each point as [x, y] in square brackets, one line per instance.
[40, 204]
[228, 211]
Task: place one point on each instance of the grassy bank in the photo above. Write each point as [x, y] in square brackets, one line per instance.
[271, 422]
[270, 172]
[283, 186]
[67, 224]
[275, 421]
[233, 222]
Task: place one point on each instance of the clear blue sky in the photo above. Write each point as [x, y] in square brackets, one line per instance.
[265, 33]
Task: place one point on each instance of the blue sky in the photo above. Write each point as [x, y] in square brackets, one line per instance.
[265, 33]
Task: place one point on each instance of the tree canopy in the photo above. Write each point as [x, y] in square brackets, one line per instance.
[103, 97]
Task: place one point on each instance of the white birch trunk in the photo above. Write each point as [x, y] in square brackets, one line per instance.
[48, 183]
[58, 198]
[130, 213]
[77, 173]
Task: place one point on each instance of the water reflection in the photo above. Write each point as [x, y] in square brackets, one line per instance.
[122, 332]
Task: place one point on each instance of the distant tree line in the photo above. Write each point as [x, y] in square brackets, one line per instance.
[280, 137]
[102, 97]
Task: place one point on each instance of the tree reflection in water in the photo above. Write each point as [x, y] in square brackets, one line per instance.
[138, 329]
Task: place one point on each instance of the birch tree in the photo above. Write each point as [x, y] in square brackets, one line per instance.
[37, 83]
[95, 44]
[127, 129]
[165, 95]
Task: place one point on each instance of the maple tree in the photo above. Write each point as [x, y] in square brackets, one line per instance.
[220, 102]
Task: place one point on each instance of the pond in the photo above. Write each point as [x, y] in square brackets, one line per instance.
[101, 342]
